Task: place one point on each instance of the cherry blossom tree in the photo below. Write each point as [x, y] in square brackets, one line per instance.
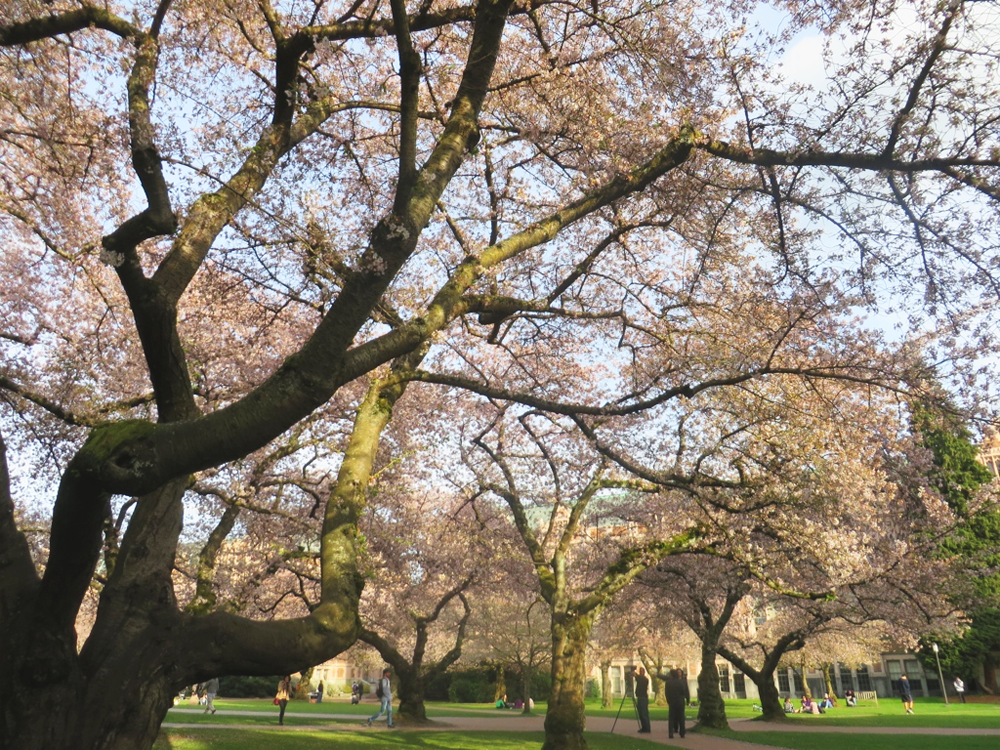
[224, 219]
[705, 595]
[416, 607]
[512, 626]
[610, 639]
[640, 622]
[582, 549]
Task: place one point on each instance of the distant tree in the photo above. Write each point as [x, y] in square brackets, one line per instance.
[705, 595]
[513, 628]
[413, 670]
[964, 483]
[560, 503]
[425, 557]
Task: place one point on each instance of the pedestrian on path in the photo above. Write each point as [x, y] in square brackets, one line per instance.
[282, 697]
[678, 696]
[211, 690]
[384, 692]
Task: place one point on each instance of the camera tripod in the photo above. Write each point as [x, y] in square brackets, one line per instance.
[629, 695]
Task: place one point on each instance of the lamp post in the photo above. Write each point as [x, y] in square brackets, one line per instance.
[944, 690]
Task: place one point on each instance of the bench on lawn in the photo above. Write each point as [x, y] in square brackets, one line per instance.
[867, 695]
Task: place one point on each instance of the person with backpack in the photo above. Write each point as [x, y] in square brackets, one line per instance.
[383, 691]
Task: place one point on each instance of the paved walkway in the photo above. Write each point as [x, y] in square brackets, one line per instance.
[520, 723]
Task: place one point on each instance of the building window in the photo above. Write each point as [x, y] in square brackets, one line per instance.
[799, 687]
[914, 673]
[864, 679]
[783, 684]
[616, 681]
[740, 684]
[844, 675]
[895, 668]
[724, 679]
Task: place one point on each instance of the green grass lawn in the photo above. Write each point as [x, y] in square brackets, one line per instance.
[315, 714]
[889, 713]
[261, 731]
[274, 739]
[818, 741]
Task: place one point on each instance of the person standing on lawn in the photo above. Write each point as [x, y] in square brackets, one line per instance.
[282, 697]
[905, 693]
[211, 689]
[960, 688]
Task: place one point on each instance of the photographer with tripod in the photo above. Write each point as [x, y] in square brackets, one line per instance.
[642, 700]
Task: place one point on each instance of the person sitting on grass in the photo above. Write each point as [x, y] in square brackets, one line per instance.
[789, 706]
[809, 706]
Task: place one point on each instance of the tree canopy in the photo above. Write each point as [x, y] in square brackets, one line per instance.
[242, 236]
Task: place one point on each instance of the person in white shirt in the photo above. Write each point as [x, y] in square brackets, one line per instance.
[384, 692]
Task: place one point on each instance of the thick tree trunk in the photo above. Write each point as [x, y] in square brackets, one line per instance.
[410, 690]
[805, 683]
[101, 719]
[763, 678]
[657, 688]
[828, 681]
[607, 697]
[655, 666]
[565, 720]
[711, 706]
[500, 683]
[114, 693]
[990, 683]
[770, 699]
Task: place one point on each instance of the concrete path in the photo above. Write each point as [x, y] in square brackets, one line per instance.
[483, 722]
[749, 726]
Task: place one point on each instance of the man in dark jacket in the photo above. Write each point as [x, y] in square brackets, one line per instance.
[642, 700]
[678, 696]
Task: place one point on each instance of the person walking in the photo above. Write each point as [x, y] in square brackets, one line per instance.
[282, 697]
[678, 696]
[384, 692]
[906, 694]
[960, 688]
[211, 690]
[319, 692]
[642, 700]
